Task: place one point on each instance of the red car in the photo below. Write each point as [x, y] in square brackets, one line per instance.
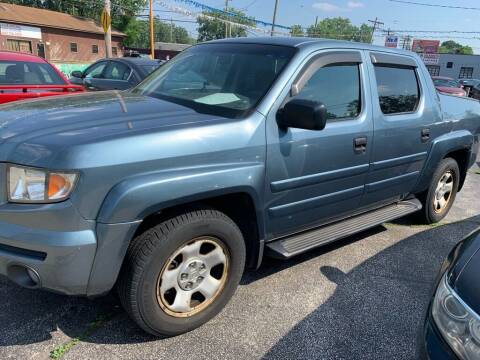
[448, 85]
[25, 76]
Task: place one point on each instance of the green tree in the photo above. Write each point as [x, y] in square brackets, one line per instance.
[341, 29]
[452, 47]
[122, 11]
[211, 28]
[296, 30]
[138, 33]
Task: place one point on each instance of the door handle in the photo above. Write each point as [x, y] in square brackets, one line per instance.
[425, 135]
[360, 145]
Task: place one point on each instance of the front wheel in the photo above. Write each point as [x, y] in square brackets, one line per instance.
[182, 272]
[439, 198]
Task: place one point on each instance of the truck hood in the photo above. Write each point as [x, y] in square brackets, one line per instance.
[90, 116]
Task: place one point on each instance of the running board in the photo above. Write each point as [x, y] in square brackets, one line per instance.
[297, 244]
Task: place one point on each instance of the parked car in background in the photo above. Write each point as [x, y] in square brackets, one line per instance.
[469, 84]
[449, 86]
[452, 327]
[115, 74]
[25, 76]
[475, 91]
[233, 150]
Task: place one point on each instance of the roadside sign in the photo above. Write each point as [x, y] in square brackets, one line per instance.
[106, 20]
[430, 59]
[391, 41]
[425, 46]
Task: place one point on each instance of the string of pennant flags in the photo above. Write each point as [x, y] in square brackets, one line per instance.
[195, 15]
[211, 9]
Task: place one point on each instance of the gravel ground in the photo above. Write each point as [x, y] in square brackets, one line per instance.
[362, 298]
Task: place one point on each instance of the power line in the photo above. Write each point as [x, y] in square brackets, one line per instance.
[435, 5]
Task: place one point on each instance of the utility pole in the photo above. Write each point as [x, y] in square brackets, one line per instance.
[108, 32]
[171, 30]
[274, 17]
[316, 21]
[375, 23]
[226, 23]
[152, 39]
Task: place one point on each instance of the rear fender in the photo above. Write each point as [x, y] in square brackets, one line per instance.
[441, 146]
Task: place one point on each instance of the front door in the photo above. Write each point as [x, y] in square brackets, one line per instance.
[403, 122]
[316, 176]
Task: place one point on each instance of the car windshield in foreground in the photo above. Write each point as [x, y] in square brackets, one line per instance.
[221, 79]
[28, 73]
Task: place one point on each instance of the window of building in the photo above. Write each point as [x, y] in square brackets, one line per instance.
[338, 87]
[398, 89]
[94, 49]
[114, 51]
[434, 70]
[466, 73]
[449, 65]
[73, 47]
[19, 46]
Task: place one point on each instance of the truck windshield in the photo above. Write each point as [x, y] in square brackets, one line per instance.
[222, 79]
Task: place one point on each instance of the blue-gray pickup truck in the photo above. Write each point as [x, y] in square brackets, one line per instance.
[233, 150]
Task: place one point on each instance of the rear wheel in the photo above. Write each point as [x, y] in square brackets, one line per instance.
[182, 272]
[439, 198]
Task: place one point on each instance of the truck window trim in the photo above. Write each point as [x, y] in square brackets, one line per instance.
[419, 87]
[331, 58]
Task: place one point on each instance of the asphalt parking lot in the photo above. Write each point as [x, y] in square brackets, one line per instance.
[361, 298]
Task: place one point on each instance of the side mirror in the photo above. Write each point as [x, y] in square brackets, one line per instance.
[303, 114]
[77, 74]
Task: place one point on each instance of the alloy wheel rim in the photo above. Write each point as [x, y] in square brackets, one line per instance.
[193, 277]
[443, 192]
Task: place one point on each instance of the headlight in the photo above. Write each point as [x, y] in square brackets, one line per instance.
[459, 325]
[29, 185]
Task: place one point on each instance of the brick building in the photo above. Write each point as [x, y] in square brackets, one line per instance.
[60, 38]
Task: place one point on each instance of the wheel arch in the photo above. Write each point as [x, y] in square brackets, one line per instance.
[458, 145]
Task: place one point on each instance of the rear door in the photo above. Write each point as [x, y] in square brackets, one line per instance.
[403, 118]
[316, 176]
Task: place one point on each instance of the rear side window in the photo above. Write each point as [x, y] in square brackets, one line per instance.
[398, 89]
[28, 73]
[337, 86]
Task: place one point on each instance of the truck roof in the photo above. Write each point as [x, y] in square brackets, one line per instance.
[307, 42]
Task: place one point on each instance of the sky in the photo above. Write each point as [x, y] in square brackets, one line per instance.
[395, 16]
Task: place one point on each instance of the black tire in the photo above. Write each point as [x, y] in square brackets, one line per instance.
[149, 253]
[430, 214]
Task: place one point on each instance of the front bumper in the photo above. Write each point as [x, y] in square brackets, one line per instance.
[432, 346]
[53, 247]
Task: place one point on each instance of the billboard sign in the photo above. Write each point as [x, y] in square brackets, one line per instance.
[391, 41]
[20, 31]
[430, 59]
[426, 46]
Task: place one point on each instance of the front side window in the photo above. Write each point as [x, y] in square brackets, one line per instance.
[398, 89]
[96, 71]
[224, 79]
[337, 86]
[117, 71]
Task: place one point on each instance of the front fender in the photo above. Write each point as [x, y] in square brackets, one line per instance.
[441, 146]
[129, 202]
[137, 197]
